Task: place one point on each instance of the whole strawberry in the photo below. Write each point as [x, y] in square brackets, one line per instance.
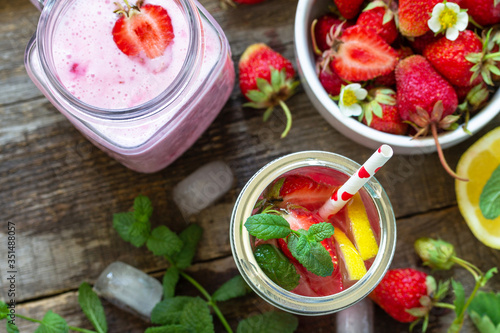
[266, 80]
[323, 27]
[426, 99]
[349, 9]
[381, 112]
[484, 12]
[450, 58]
[399, 291]
[413, 16]
[330, 81]
[142, 29]
[418, 44]
[378, 18]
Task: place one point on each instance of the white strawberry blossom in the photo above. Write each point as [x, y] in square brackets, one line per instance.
[447, 17]
[350, 96]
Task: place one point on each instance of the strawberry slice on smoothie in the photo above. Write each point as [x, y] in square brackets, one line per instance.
[142, 28]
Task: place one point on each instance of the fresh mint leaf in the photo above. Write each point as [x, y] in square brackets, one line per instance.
[269, 322]
[459, 301]
[164, 242]
[143, 209]
[196, 317]
[92, 307]
[236, 287]
[276, 266]
[168, 329]
[267, 226]
[190, 237]
[170, 280]
[489, 200]
[11, 328]
[131, 230]
[321, 231]
[168, 311]
[312, 255]
[4, 310]
[484, 311]
[52, 323]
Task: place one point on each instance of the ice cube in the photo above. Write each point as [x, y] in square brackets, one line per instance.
[357, 318]
[203, 187]
[130, 289]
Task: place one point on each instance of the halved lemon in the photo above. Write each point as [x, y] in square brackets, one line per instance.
[477, 164]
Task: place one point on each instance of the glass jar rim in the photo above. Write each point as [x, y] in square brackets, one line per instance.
[182, 80]
[242, 248]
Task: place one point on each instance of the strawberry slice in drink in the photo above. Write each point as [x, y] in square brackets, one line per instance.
[304, 191]
[142, 28]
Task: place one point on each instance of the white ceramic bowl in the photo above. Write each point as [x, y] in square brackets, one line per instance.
[307, 11]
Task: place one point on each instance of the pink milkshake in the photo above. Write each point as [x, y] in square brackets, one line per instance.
[143, 111]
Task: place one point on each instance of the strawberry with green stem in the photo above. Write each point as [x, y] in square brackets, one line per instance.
[349, 9]
[426, 101]
[378, 18]
[408, 295]
[380, 112]
[438, 254]
[142, 29]
[267, 80]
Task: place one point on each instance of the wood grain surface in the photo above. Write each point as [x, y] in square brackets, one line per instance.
[61, 191]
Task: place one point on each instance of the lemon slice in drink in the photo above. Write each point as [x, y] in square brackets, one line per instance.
[477, 164]
[353, 263]
[362, 233]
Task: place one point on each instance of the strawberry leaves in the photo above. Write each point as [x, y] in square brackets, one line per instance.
[484, 310]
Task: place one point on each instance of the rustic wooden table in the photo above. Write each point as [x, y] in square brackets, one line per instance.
[61, 191]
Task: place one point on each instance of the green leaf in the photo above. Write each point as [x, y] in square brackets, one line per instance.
[274, 193]
[489, 201]
[486, 305]
[52, 323]
[4, 310]
[256, 96]
[267, 114]
[131, 230]
[236, 287]
[267, 226]
[313, 256]
[483, 324]
[459, 301]
[168, 311]
[276, 80]
[164, 242]
[488, 275]
[377, 109]
[276, 266]
[92, 307]
[170, 280]
[142, 208]
[321, 231]
[190, 237]
[11, 328]
[264, 86]
[368, 112]
[168, 329]
[196, 317]
[269, 322]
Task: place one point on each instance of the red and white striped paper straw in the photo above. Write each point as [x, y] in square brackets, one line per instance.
[342, 195]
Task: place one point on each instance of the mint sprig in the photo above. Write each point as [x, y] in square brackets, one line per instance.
[490, 196]
[276, 266]
[304, 245]
[177, 314]
[54, 323]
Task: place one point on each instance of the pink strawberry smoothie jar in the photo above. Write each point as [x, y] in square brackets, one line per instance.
[242, 243]
[170, 102]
